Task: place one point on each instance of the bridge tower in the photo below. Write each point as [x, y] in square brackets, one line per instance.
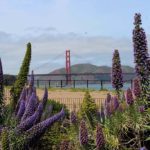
[68, 67]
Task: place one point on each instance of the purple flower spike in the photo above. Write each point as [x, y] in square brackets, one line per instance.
[30, 121]
[108, 99]
[107, 110]
[129, 97]
[117, 77]
[141, 109]
[100, 141]
[30, 108]
[141, 56]
[143, 148]
[83, 133]
[136, 87]
[39, 129]
[22, 98]
[45, 97]
[1, 76]
[116, 102]
[21, 110]
[31, 82]
[73, 117]
[39, 112]
[64, 145]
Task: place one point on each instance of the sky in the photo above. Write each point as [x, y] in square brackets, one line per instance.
[91, 29]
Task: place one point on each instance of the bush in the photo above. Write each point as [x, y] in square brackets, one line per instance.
[88, 108]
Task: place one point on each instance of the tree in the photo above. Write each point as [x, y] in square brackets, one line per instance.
[21, 78]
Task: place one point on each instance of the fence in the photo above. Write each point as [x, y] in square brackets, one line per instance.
[95, 84]
[70, 102]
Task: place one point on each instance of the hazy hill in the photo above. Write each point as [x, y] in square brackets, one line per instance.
[89, 68]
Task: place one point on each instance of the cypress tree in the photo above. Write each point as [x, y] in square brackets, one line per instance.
[117, 78]
[1, 92]
[21, 78]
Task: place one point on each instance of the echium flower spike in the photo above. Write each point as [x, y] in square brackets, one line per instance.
[1, 76]
[21, 110]
[141, 56]
[117, 77]
[115, 102]
[39, 129]
[83, 133]
[100, 141]
[141, 109]
[31, 106]
[31, 81]
[108, 98]
[1, 91]
[129, 97]
[73, 117]
[108, 110]
[136, 87]
[22, 98]
[137, 20]
[45, 97]
[30, 121]
[39, 112]
[64, 145]
[5, 139]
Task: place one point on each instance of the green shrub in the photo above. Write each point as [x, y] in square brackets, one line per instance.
[52, 138]
[88, 108]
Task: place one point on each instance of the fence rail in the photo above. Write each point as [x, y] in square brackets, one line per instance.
[99, 84]
[70, 102]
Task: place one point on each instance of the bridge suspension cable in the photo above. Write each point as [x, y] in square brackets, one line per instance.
[48, 62]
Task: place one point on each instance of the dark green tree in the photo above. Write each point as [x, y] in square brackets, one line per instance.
[21, 78]
[1, 92]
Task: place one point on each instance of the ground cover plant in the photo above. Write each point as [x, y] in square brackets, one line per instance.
[122, 122]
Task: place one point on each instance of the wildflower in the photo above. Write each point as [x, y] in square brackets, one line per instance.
[83, 133]
[129, 97]
[100, 141]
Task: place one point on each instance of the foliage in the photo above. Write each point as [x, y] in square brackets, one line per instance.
[9, 80]
[57, 106]
[5, 140]
[22, 77]
[88, 109]
[1, 93]
[53, 137]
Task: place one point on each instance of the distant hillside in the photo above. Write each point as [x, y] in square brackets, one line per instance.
[89, 68]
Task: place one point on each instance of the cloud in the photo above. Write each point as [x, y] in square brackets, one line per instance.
[49, 49]
[40, 29]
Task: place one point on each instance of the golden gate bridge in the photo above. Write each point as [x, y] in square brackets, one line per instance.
[69, 79]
